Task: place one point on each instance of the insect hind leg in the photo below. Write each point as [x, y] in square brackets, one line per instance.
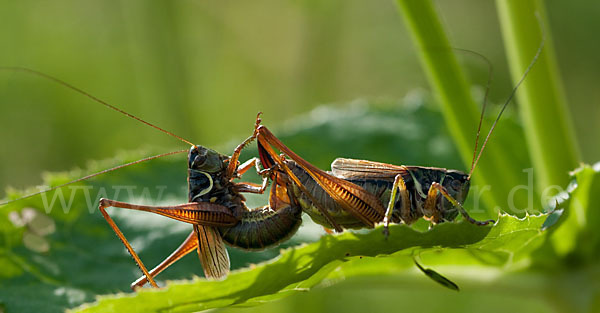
[197, 214]
[188, 245]
[128, 246]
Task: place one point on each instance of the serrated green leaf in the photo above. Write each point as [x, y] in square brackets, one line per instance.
[332, 259]
[578, 233]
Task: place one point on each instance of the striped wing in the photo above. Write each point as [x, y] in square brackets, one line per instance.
[212, 252]
[363, 169]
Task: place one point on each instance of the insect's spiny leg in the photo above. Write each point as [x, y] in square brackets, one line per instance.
[188, 245]
[195, 213]
[252, 187]
[232, 166]
[117, 231]
[244, 167]
[430, 204]
[399, 185]
[455, 203]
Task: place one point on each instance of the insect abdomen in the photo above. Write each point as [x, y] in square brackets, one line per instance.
[263, 227]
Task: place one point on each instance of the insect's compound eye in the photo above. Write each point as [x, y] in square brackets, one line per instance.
[456, 185]
[200, 159]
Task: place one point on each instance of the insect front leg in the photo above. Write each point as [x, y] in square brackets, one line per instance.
[252, 187]
[232, 167]
[430, 205]
[244, 167]
[430, 209]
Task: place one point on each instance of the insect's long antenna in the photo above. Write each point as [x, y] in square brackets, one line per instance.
[512, 94]
[65, 84]
[485, 97]
[96, 174]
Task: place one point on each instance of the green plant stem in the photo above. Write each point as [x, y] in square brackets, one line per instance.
[542, 104]
[460, 110]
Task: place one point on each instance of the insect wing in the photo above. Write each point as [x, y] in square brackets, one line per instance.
[212, 252]
[363, 169]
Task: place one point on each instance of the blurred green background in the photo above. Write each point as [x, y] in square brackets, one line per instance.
[203, 69]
